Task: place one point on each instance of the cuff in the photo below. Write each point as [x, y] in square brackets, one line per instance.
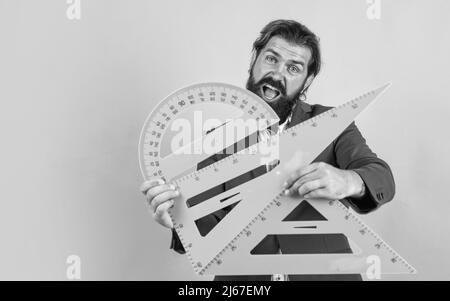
[368, 202]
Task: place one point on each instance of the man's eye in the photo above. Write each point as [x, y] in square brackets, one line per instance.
[270, 59]
[294, 69]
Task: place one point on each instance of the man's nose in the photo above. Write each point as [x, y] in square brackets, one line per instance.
[277, 76]
[278, 73]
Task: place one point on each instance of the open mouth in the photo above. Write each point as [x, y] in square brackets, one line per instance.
[269, 92]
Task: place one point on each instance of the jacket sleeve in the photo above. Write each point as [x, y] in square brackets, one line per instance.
[352, 153]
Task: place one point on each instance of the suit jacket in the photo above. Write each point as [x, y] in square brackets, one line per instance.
[348, 151]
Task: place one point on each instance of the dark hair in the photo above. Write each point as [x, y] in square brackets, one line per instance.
[294, 32]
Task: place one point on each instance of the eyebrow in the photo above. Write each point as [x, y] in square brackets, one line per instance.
[278, 55]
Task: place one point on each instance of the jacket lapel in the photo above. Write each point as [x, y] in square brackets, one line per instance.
[302, 112]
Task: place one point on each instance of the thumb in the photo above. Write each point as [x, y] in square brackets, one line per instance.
[166, 220]
[162, 214]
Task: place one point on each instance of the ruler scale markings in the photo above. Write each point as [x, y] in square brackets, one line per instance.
[202, 252]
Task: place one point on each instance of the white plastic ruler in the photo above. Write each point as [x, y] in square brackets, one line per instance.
[259, 206]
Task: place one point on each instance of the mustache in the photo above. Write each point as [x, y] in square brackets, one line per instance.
[274, 83]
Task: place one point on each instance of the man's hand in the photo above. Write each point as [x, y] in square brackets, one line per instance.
[323, 181]
[160, 198]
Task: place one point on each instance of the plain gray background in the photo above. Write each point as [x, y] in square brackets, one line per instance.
[75, 93]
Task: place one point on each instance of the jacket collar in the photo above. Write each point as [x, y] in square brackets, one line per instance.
[301, 112]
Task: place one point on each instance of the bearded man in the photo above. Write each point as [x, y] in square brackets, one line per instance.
[286, 59]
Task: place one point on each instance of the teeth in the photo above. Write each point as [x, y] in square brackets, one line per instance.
[271, 87]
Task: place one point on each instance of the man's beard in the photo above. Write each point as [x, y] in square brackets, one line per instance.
[284, 104]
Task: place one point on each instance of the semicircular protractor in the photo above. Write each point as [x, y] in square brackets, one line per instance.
[193, 124]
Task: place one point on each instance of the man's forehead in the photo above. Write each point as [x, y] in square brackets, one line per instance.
[287, 49]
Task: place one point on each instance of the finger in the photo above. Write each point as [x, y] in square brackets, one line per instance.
[150, 183]
[154, 191]
[321, 193]
[163, 197]
[162, 215]
[292, 178]
[309, 187]
[306, 178]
